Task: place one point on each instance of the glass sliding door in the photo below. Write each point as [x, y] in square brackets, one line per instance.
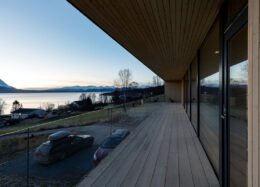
[236, 98]
[194, 93]
[188, 93]
[185, 92]
[209, 95]
[238, 71]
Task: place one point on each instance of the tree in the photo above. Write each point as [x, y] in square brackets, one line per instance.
[83, 97]
[48, 107]
[88, 101]
[133, 84]
[16, 105]
[103, 99]
[2, 106]
[93, 97]
[124, 78]
[157, 81]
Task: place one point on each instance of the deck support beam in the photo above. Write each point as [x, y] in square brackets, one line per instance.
[173, 91]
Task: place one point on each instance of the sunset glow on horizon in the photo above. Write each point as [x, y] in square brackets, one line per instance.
[47, 44]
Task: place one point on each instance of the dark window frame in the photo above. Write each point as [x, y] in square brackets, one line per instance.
[238, 23]
[226, 31]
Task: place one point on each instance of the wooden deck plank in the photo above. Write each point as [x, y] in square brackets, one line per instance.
[147, 172]
[158, 178]
[186, 178]
[136, 169]
[94, 174]
[134, 155]
[199, 176]
[172, 174]
[163, 151]
[208, 170]
[119, 164]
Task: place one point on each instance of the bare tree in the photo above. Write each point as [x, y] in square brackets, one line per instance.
[83, 97]
[48, 107]
[2, 106]
[16, 105]
[103, 99]
[93, 97]
[157, 81]
[124, 79]
[133, 84]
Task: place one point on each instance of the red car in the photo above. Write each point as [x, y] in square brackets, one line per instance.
[109, 144]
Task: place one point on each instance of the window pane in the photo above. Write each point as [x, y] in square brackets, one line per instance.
[238, 108]
[194, 96]
[209, 90]
[188, 92]
[234, 6]
[185, 93]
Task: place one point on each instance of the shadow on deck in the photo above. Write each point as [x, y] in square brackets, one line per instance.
[162, 151]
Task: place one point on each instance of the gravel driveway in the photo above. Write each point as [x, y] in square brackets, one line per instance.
[64, 173]
[69, 171]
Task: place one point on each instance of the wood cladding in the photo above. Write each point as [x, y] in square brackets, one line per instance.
[253, 93]
[163, 34]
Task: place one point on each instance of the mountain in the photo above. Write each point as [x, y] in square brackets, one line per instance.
[4, 85]
[5, 88]
[82, 88]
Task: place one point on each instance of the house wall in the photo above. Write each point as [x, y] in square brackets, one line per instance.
[253, 93]
[17, 116]
[173, 91]
[39, 113]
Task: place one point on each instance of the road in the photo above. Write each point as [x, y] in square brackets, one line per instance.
[68, 171]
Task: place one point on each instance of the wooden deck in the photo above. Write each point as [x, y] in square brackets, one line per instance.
[162, 151]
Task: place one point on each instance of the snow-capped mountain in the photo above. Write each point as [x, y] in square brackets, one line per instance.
[4, 85]
[84, 88]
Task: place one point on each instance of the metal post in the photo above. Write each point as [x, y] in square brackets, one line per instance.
[28, 149]
[111, 121]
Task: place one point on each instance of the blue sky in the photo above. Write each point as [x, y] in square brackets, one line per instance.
[51, 44]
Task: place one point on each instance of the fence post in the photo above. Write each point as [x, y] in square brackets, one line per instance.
[28, 149]
[111, 121]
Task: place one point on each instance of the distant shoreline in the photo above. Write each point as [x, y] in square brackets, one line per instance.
[55, 91]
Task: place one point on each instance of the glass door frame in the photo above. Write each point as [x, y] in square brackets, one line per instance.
[224, 170]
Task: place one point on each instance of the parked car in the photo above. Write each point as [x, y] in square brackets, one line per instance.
[109, 144]
[121, 132]
[60, 145]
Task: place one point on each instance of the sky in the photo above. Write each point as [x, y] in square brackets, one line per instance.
[49, 43]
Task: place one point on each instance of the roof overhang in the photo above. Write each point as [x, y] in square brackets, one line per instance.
[163, 34]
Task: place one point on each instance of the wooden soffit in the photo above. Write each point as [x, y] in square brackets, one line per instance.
[163, 34]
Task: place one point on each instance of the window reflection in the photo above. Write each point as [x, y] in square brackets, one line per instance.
[238, 109]
[194, 97]
[188, 92]
[210, 81]
[239, 74]
[209, 92]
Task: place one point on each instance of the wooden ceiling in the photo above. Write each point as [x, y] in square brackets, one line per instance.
[163, 34]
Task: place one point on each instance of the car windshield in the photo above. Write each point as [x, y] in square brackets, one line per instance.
[111, 142]
[45, 148]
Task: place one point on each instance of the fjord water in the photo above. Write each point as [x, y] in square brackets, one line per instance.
[35, 100]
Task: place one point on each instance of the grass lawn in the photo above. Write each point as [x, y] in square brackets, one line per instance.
[15, 146]
[78, 120]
